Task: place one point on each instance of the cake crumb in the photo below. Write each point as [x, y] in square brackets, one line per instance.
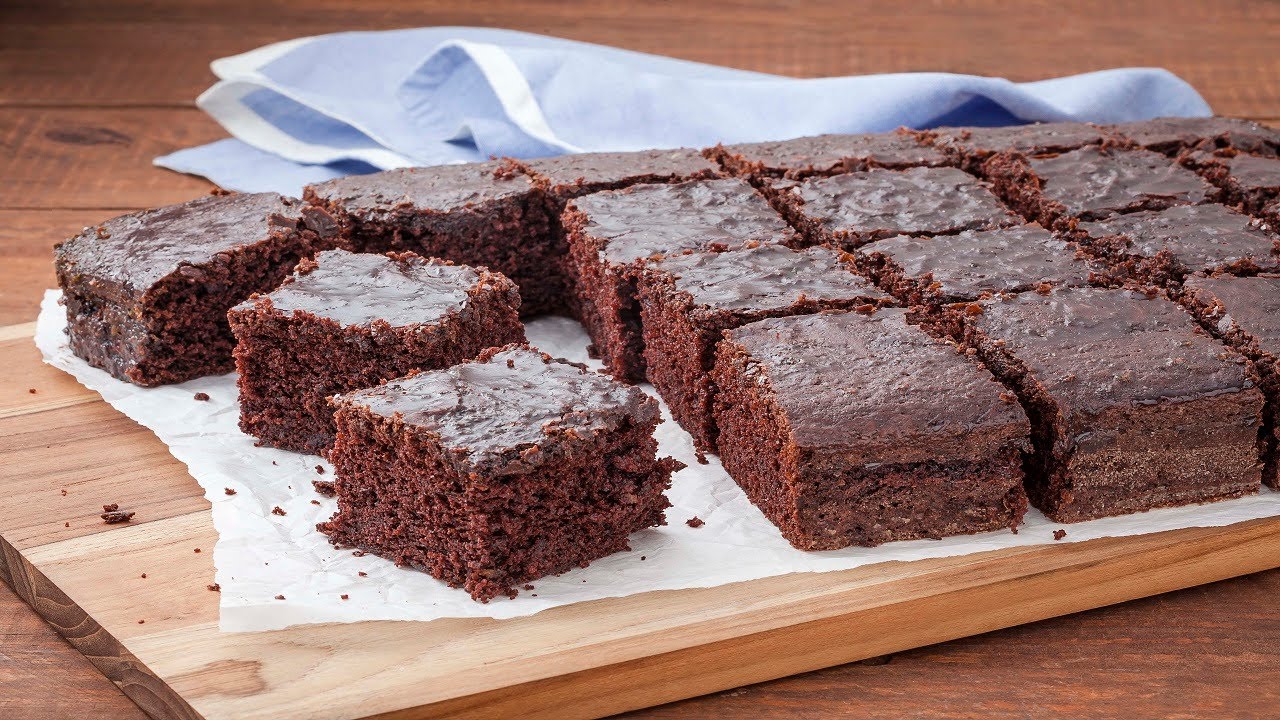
[228, 491]
[1059, 534]
[215, 587]
[279, 597]
[324, 487]
[144, 576]
[112, 514]
[363, 574]
[700, 456]
[315, 502]
[197, 550]
[201, 396]
[695, 522]
[277, 510]
[344, 596]
[273, 462]
[319, 469]
[142, 622]
[66, 524]
[64, 492]
[528, 587]
[357, 553]
[642, 557]
[31, 390]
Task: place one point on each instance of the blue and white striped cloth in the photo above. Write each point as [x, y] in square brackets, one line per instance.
[315, 108]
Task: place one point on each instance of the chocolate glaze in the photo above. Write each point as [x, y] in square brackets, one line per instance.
[1174, 134]
[1200, 237]
[1095, 349]
[572, 175]
[136, 251]
[1033, 139]
[648, 220]
[766, 278]
[1253, 173]
[1093, 183]
[361, 288]
[874, 384]
[1252, 304]
[438, 188]
[918, 201]
[489, 410]
[824, 154]
[975, 263]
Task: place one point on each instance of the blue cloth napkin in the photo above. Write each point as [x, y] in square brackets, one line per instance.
[315, 108]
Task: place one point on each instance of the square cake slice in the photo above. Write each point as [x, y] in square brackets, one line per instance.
[1093, 183]
[856, 208]
[1174, 135]
[147, 293]
[828, 155]
[491, 214]
[1132, 405]
[1164, 246]
[613, 234]
[347, 321]
[1250, 182]
[688, 301]
[854, 429]
[494, 473]
[971, 146]
[1245, 313]
[975, 264]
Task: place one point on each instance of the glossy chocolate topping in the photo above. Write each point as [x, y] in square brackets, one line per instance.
[1095, 349]
[359, 288]
[873, 383]
[824, 153]
[1033, 139]
[1200, 237]
[766, 278]
[1252, 303]
[1172, 133]
[499, 409]
[648, 220]
[569, 173]
[973, 263]
[440, 187]
[137, 250]
[916, 201]
[1255, 173]
[1093, 183]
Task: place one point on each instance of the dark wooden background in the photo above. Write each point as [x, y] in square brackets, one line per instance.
[90, 92]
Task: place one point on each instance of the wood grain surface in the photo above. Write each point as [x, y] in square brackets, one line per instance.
[89, 92]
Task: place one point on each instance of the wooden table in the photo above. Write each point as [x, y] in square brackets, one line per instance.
[89, 94]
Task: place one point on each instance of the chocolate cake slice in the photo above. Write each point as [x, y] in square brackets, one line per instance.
[1245, 313]
[494, 473]
[970, 147]
[490, 214]
[1162, 247]
[828, 155]
[688, 301]
[347, 321]
[570, 176]
[1132, 406]
[1249, 182]
[974, 264]
[851, 210]
[1175, 135]
[147, 293]
[1092, 183]
[613, 234]
[853, 429]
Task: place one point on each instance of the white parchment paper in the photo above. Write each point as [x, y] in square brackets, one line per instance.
[260, 555]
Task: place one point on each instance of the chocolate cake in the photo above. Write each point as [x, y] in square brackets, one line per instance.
[489, 214]
[688, 301]
[828, 155]
[971, 146]
[852, 429]
[497, 472]
[1247, 181]
[856, 208]
[147, 293]
[347, 321]
[975, 264]
[1245, 313]
[1175, 135]
[570, 176]
[613, 234]
[1162, 247]
[1092, 183]
[1132, 406]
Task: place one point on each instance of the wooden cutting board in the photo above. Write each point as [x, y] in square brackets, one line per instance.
[134, 599]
